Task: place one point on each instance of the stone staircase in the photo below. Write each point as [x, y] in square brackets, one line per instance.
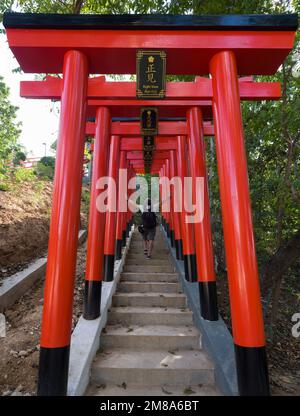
[150, 345]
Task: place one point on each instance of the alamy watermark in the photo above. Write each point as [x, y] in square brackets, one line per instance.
[132, 195]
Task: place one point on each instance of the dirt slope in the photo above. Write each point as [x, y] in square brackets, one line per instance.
[24, 224]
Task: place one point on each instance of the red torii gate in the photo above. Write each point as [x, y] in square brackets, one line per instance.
[223, 46]
[133, 128]
[201, 252]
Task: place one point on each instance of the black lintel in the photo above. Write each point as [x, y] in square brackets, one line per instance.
[261, 22]
[135, 119]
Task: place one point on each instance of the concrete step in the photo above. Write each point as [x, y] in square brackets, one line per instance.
[147, 337]
[173, 300]
[133, 315]
[167, 390]
[145, 287]
[159, 255]
[141, 256]
[154, 262]
[147, 267]
[160, 244]
[150, 277]
[151, 367]
[156, 245]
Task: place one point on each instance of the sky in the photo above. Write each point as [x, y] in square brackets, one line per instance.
[39, 123]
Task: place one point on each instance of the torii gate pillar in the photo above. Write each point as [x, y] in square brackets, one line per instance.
[95, 246]
[244, 291]
[63, 237]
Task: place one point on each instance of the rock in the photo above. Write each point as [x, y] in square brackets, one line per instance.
[23, 353]
[6, 393]
[16, 393]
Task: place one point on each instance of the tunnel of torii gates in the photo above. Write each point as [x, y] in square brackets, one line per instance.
[225, 47]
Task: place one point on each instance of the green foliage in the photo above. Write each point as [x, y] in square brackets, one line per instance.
[9, 129]
[85, 195]
[44, 171]
[24, 175]
[48, 161]
[5, 5]
[4, 186]
[142, 7]
[54, 145]
[19, 155]
[45, 167]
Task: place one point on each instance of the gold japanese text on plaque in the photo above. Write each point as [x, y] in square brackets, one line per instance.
[150, 74]
[149, 121]
[149, 143]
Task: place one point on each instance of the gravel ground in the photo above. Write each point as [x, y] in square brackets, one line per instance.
[19, 350]
[284, 350]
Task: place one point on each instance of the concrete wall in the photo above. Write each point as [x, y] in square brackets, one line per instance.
[216, 339]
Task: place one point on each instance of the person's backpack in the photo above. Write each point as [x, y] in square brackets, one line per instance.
[149, 219]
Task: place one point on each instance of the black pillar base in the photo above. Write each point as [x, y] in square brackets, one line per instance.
[118, 249]
[190, 267]
[109, 260]
[168, 231]
[92, 299]
[53, 371]
[180, 250]
[208, 301]
[172, 239]
[128, 226]
[176, 242]
[124, 238]
[252, 371]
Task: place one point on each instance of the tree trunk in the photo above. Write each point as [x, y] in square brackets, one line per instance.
[273, 278]
[286, 255]
[77, 6]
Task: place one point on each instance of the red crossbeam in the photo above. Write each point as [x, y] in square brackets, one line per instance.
[99, 89]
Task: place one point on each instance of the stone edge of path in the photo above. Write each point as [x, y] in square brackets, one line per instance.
[216, 339]
[85, 339]
[15, 286]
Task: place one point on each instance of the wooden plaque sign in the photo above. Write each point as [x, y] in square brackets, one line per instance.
[148, 155]
[149, 143]
[150, 74]
[149, 121]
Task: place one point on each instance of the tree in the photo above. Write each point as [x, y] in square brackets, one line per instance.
[9, 129]
[45, 167]
[48, 161]
[20, 155]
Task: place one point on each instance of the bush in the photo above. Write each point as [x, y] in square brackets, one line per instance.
[4, 186]
[18, 157]
[24, 175]
[48, 161]
[44, 171]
